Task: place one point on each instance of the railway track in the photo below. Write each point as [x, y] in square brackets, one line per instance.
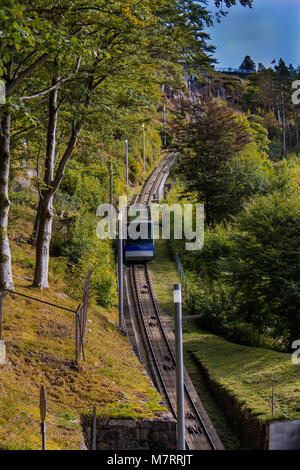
[150, 189]
[152, 341]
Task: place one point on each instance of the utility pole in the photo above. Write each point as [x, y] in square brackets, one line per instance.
[111, 199]
[144, 164]
[126, 162]
[179, 368]
[43, 414]
[165, 135]
[111, 184]
[283, 123]
[272, 393]
[94, 434]
[121, 312]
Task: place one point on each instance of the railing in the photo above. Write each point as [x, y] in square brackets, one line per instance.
[233, 70]
[179, 267]
[183, 278]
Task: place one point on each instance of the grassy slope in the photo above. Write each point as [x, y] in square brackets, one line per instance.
[40, 350]
[244, 371]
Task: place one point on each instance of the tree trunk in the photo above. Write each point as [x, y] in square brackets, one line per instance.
[36, 224]
[283, 125]
[290, 136]
[6, 279]
[50, 154]
[53, 182]
[43, 244]
[43, 223]
[296, 128]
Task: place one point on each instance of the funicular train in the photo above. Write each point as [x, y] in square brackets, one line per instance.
[139, 237]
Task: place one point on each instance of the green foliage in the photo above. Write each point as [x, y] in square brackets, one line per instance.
[268, 94]
[245, 280]
[86, 252]
[85, 184]
[264, 265]
[215, 303]
[223, 158]
[243, 333]
[250, 274]
[248, 65]
[206, 261]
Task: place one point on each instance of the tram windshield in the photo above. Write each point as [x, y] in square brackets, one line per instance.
[140, 232]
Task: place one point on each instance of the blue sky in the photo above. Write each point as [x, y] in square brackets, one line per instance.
[270, 30]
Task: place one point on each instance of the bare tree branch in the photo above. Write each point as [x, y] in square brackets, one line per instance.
[11, 85]
[51, 88]
[23, 62]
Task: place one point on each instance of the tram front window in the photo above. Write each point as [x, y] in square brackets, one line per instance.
[145, 237]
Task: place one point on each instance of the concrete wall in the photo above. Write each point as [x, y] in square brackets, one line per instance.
[284, 435]
[250, 429]
[129, 434]
[254, 433]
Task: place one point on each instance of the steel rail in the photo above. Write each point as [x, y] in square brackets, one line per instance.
[165, 389]
[174, 360]
[150, 343]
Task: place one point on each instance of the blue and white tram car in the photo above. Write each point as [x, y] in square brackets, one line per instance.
[140, 249]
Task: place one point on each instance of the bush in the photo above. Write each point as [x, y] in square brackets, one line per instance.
[242, 333]
[264, 265]
[206, 261]
[87, 253]
[215, 304]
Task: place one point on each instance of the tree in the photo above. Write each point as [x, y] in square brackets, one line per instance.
[248, 65]
[207, 137]
[264, 265]
[27, 41]
[282, 71]
[230, 3]
[35, 35]
[79, 25]
[111, 55]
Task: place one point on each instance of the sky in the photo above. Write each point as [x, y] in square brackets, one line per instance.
[270, 30]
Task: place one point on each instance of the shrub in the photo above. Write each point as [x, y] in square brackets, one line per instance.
[264, 265]
[86, 252]
[242, 333]
[206, 261]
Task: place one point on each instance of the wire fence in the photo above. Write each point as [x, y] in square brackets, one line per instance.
[20, 421]
[45, 353]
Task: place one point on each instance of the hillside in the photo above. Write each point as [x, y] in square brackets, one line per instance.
[40, 350]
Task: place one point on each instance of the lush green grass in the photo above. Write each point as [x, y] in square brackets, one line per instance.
[245, 372]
